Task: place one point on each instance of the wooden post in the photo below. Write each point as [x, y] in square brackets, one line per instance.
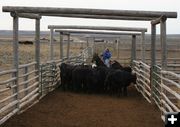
[93, 51]
[37, 48]
[133, 49]
[51, 43]
[61, 45]
[68, 45]
[87, 42]
[143, 46]
[16, 55]
[118, 43]
[153, 58]
[163, 45]
[153, 45]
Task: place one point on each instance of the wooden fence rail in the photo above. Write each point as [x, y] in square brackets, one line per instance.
[164, 88]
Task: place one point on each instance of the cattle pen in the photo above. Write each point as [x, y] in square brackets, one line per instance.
[157, 81]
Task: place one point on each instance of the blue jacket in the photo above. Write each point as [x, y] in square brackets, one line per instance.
[106, 55]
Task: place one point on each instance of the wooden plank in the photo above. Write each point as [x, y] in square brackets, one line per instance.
[53, 10]
[61, 46]
[37, 48]
[158, 20]
[133, 48]
[8, 116]
[65, 32]
[98, 28]
[27, 65]
[7, 72]
[143, 46]
[8, 81]
[118, 44]
[27, 15]
[153, 45]
[101, 17]
[51, 44]
[163, 45]
[68, 45]
[16, 57]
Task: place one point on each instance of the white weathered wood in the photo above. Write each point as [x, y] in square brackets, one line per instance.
[167, 106]
[51, 10]
[65, 32]
[163, 45]
[29, 87]
[143, 46]
[153, 45]
[5, 118]
[8, 81]
[29, 100]
[26, 108]
[27, 74]
[68, 46]
[7, 98]
[158, 20]
[7, 72]
[37, 48]
[33, 78]
[29, 95]
[135, 29]
[133, 48]
[171, 73]
[171, 81]
[171, 91]
[61, 46]
[51, 44]
[9, 105]
[26, 15]
[170, 103]
[27, 65]
[16, 57]
[101, 17]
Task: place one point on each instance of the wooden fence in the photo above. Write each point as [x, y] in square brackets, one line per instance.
[158, 86]
[17, 94]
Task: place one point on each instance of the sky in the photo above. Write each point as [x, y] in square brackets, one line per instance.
[173, 25]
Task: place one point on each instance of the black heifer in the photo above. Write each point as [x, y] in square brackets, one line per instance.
[84, 78]
[66, 75]
[119, 80]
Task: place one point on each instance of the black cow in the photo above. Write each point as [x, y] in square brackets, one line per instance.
[66, 76]
[119, 80]
[84, 78]
[26, 42]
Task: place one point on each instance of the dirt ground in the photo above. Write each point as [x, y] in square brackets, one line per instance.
[66, 109]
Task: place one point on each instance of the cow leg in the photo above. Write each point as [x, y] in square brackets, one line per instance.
[125, 91]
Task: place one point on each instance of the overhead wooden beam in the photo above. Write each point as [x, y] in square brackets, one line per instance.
[101, 17]
[94, 32]
[158, 20]
[98, 28]
[52, 10]
[26, 15]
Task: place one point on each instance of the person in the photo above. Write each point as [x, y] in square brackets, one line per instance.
[106, 57]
